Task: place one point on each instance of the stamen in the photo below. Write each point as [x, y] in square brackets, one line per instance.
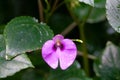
[58, 43]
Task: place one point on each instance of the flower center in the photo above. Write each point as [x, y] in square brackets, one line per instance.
[58, 44]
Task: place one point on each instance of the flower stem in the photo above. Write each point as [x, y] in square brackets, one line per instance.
[85, 54]
[84, 48]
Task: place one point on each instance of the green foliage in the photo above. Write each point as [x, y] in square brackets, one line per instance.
[73, 73]
[59, 21]
[96, 14]
[21, 39]
[25, 34]
[113, 13]
[108, 68]
[2, 43]
[90, 2]
[8, 68]
[100, 3]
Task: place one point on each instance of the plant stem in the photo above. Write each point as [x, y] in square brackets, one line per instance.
[48, 5]
[82, 35]
[85, 54]
[47, 11]
[54, 6]
[69, 28]
[89, 56]
[84, 48]
[40, 6]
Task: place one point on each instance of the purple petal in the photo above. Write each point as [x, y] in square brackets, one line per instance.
[58, 37]
[68, 54]
[49, 55]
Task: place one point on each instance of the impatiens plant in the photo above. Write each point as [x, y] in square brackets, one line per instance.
[28, 45]
[59, 50]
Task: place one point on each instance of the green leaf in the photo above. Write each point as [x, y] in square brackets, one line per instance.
[33, 75]
[81, 10]
[90, 2]
[96, 67]
[72, 73]
[2, 43]
[97, 14]
[110, 63]
[2, 29]
[8, 68]
[100, 3]
[113, 13]
[25, 34]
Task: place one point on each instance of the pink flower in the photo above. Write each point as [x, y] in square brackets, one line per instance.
[59, 50]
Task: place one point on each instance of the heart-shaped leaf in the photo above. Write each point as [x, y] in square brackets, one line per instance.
[109, 68]
[113, 13]
[24, 34]
[8, 68]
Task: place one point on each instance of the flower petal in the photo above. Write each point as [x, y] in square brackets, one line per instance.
[68, 54]
[48, 54]
[58, 37]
